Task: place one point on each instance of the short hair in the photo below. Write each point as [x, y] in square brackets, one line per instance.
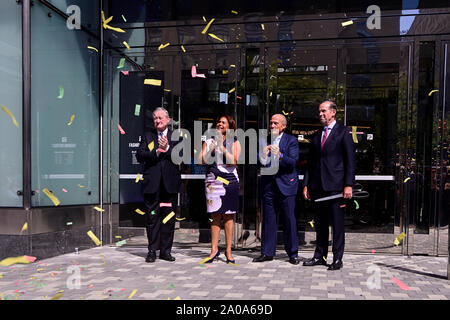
[283, 118]
[231, 122]
[162, 109]
[331, 104]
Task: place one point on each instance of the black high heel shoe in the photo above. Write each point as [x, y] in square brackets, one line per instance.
[212, 259]
[230, 261]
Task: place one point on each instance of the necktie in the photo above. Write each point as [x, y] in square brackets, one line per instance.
[325, 135]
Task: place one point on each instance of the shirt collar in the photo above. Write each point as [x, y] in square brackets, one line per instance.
[163, 132]
[330, 126]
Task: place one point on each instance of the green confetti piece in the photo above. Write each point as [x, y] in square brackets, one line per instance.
[69, 223]
[61, 92]
[120, 243]
[121, 63]
[356, 203]
[153, 212]
[210, 220]
[137, 110]
[124, 18]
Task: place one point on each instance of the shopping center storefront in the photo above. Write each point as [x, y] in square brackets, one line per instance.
[72, 87]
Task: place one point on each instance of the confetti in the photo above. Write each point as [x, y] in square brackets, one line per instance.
[138, 178]
[64, 190]
[204, 260]
[177, 298]
[9, 113]
[432, 91]
[182, 48]
[406, 180]
[347, 23]
[355, 139]
[399, 238]
[49, 194]
[225, 181]
[262, 26]
[285, 113]
[121, 243]
[181, 219]
[126, 45]
[357, 204]
[152, 82]
[71, 120]
[207, 26]
[373, 250]
[57, 296]
[168, 217]
[324, 259]
[153, 212]
[311, 223]
[99, 209]
[400, 284]
[212, 35]
[61, 92]
[81, 186]
[233, 11]
[162, 46]
[132, 294]
[103, 259]
[139, 211]
[121, 63]
[232, 90]
[124, 72]
[24, 227]
[165, 204]
[151, 146]
[204, 19]
[194, 73]
[124, 18]
[137, 110]
[69, 223]
[118, 237]
[120, 129]
[93, 237]
[13, 260]
[92, 48]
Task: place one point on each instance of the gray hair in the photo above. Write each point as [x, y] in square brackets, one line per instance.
[331, 104]
[162, 109]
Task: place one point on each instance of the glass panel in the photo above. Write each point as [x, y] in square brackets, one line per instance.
[65, 113]
[11, 98]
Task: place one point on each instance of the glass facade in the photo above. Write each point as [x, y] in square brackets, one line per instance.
[389, 75]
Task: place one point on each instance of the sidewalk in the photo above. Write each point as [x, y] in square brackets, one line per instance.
[120, 273]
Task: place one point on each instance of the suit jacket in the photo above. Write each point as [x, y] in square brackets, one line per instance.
[334, 166]
[157, 168]
[286, 178]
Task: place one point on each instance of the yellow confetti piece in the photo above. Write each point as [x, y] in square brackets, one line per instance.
[231, 90]
[103, 259]
[151, 146]
[225, 181]
[92, 48]
[355, 139]
[181, 219]
[325, 259]
[54, 199]
[57, 296]
[262, 26]
[285, 113]
[406, 180]
[233, 264]
[207, 26]
[311, 223]
[13, 260]
[153, 82]
[71, 120]
[93, 237]
[118, 237]
[114, 29]
[432, 91]
[204, 19]
[132, 294]
[168, 217]
[9, 113]
[139, 211]
[126, 45]
[162, 46]
[204, 260]
[233, 11]
[212, 35]
[99, 209]
[177, 298]
[139, 177]
[399, 238]
[232, 66]
[25, 227]
[81, 186]
[347, 23]
[182, 48]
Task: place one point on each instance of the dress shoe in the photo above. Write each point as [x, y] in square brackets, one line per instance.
[167, 257]
[229, 260]
[151, 256]
[314, 262]
[294, 260]
[263, 258]
[336, 265]
[212, 259]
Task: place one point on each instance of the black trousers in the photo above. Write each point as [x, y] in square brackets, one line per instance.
[159, 234]
[327, 212]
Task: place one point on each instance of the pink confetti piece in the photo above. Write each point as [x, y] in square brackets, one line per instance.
[64, 190]
[124, 72]
[165, 204]
[400, 284]
[373, 250]
[30, 258]
[342, 206]
[194, 73]
[120, 129]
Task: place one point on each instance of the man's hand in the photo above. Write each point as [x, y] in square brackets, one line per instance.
[163, 142]
[348, 192]
[275, 150]
[306, 193]
[266, 151]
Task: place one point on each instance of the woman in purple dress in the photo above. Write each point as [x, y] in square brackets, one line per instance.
[222, 184]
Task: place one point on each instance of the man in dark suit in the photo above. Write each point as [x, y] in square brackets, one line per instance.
[279, 190]
[330, 171]
[162, 182]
